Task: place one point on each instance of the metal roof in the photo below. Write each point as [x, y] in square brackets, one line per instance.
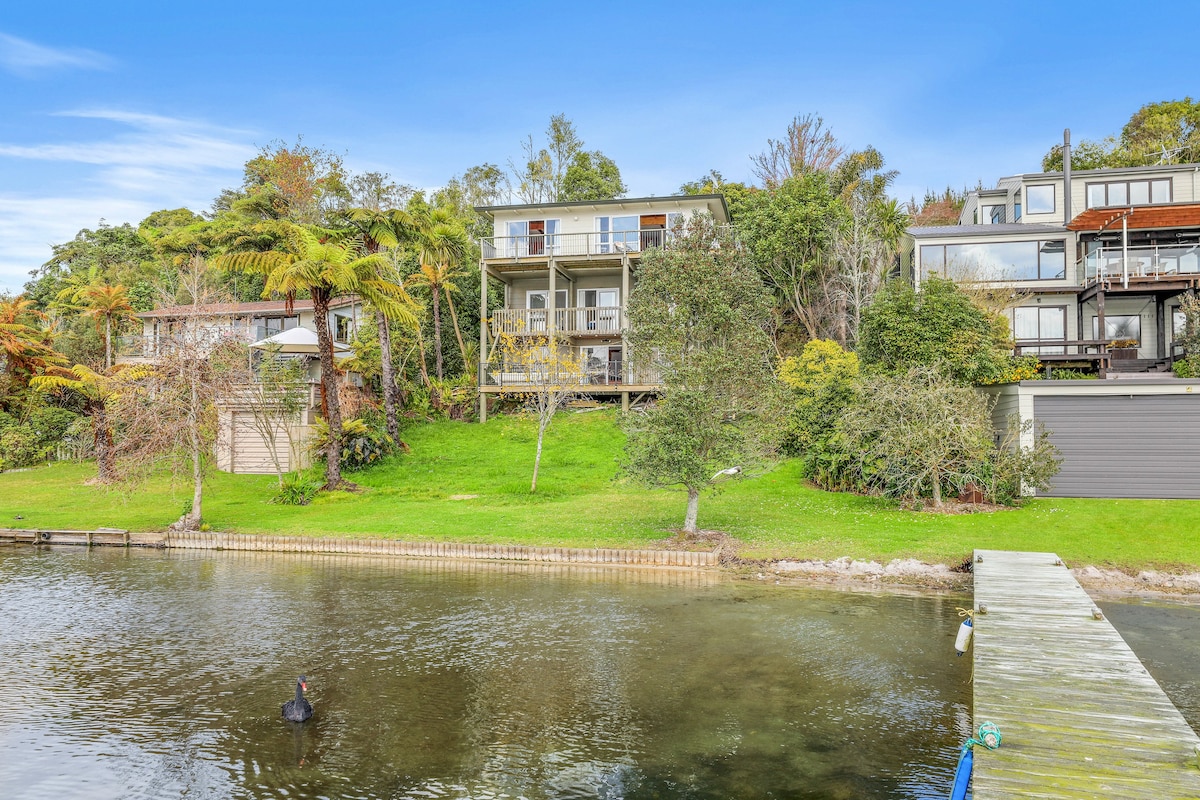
[1005, 229]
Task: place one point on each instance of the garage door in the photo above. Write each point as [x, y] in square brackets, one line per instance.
[1140, 446]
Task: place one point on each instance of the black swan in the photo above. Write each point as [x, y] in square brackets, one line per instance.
[299, 709]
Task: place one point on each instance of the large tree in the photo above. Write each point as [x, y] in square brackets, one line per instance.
[807, 147]
[700, 313]
[297, 259]
[790, 233]
[1166, 132]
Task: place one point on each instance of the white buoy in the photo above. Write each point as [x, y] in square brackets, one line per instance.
[963, 640]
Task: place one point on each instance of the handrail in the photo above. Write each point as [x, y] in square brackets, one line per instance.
[578, 244]
[1149, 261]
[582, 320]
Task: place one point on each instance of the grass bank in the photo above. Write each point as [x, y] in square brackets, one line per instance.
[470, 483]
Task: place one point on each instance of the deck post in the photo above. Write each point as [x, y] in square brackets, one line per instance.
[625, 402]
[1160, 322]
[624, 303]
[551, 301]
[481, 377]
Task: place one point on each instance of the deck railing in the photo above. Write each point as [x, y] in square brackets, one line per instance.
[1155, 261]
[146, 348]
[614, 372]
[600, 320]
[563, 245]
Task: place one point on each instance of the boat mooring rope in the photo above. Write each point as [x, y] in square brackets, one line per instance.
[988, 736]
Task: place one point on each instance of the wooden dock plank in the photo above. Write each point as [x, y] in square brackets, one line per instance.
[1081, 717]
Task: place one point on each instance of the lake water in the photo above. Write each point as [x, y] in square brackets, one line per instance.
[142, 674]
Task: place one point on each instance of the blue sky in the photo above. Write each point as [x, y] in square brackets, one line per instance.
[113, 110]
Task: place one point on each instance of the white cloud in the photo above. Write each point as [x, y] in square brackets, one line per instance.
[25, 58]
[153, 162]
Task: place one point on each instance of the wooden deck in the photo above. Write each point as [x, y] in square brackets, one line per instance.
[1080, 716]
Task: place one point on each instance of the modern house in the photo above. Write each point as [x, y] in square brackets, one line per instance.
[1092, 258]
[567, 270]
[1095, 263]
[241, 445]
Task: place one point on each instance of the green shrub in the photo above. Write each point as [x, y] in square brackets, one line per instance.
[364, 441]
[921, 435]
[823, 382]
[30, 434]
[297, 490]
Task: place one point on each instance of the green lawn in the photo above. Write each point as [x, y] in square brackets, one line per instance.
[580, 503]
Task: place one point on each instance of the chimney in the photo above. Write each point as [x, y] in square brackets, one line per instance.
[1067, 176]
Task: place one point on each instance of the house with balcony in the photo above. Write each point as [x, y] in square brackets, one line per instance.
[241, 446]
[1094, 264]
[245, 322]
[567, 270]
[1092, 258]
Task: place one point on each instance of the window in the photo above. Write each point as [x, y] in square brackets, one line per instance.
[1040, 322]
[993, 215]
[530, 237]
[997, 261]
[343, 327]
[1017, 209]
[617, 234]
[1131, 193]
[269, 326]
[1118, 327]
[1039, 199]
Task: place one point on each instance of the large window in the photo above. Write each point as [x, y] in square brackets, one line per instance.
[1040, 322]
[997, 261]
[1039, 199]
[1118, 326]
[1129, 193]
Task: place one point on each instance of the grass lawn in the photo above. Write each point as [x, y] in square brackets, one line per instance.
[579, 503]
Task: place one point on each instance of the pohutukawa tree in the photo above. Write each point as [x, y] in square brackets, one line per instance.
[701, 314]
[298, 259]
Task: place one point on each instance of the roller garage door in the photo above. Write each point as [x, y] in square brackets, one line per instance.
[1123, 446]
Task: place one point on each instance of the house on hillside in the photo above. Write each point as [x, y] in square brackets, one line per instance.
[291, 333]
[1096, 263]
[1100, 256]
[567, 270]
[246, 322]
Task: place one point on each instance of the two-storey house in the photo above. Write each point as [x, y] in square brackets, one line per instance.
[567, 270]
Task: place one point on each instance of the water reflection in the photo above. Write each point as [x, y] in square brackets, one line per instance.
[147, 674]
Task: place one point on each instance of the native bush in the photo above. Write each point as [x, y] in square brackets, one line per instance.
[921, 435]
[939, 326]
[32, 432]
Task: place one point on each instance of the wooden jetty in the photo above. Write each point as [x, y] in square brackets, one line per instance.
[1079, 714]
